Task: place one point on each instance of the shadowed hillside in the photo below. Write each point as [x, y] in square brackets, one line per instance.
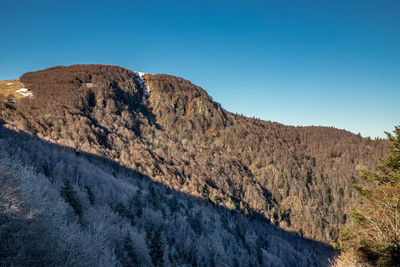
[61, 207]
[298, 178]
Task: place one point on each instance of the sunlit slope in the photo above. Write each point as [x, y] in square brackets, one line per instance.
[14, 90]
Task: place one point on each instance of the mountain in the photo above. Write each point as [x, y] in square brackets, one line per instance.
[112, 130]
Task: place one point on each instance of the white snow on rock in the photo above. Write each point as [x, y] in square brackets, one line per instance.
[142, 81]
[140, 74]
[9, 83]
[147, 90]
[89, 85]
[24, 92]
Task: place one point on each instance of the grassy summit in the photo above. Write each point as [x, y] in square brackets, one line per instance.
[12, 89]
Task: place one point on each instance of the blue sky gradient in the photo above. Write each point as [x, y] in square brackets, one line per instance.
[300, 62]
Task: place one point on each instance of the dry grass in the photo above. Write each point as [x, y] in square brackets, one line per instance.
[348, 259]
[8, 88]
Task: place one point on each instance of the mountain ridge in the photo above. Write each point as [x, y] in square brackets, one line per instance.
[298, 178]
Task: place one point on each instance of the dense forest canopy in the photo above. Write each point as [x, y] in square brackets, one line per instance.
[297, 178]
[60, 207]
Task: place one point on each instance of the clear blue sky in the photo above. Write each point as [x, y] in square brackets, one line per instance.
[332, 63]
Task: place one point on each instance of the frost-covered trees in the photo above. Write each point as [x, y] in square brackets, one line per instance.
[170, 228]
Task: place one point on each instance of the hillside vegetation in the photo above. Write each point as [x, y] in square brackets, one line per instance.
[297, 178]
[60, 207]
[372, 238]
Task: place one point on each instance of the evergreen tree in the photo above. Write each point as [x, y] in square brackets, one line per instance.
[260, 244]
[124, 212]
[154, 197]
[137, 203]
[71, 197]
[90, 194]
[130, 250]
[196, 222]
[173, 204]
[374, 237]
[157, 249]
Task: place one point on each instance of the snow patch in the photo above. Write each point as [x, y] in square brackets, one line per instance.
[89, 85]
[142, 81]
[147, 90]
[140, 76]
[24, 92]
[9, 83]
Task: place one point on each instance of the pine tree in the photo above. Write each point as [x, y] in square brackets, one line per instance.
[196, 222]
[137, 203]
[154, 197]
[124, 212]
[173, 204]
[374, 237]
[71, 197]
[130, 250]
[157, 249]
[90, 194]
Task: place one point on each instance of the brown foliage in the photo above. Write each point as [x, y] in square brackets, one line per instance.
[181, 137]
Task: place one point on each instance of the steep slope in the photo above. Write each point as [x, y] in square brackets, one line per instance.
[299, 178]
[63, 208]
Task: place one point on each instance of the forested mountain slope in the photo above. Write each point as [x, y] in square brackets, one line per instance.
[299, 178]
[60, 207]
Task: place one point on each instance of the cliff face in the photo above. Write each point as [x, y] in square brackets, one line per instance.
[299, 178]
